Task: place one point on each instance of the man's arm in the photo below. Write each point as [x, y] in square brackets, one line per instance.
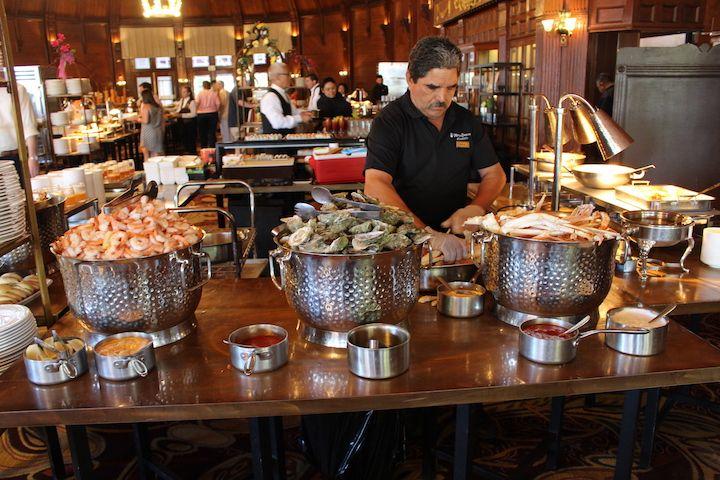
[493, 181]
[271, 108]
[378, 184]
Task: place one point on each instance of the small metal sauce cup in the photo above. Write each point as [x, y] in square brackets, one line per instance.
[250, 359]
[378, 350]
[642, 345]
[460, 307]
[556, 351]
[51, 372]
[126, 367]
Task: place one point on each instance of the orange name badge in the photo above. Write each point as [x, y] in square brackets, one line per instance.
[462, 143]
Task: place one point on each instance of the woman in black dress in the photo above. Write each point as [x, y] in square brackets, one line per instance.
[330, 103]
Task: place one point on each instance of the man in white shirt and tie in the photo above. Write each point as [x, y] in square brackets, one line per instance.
[277, 112]
[313, 84]
[8, 136]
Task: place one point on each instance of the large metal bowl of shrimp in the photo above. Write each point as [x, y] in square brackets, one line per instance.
[544, 264]
[136, 269]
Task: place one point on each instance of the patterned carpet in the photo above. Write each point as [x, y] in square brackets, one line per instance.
[687, 446]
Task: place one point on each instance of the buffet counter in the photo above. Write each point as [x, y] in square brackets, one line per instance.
[452, 362]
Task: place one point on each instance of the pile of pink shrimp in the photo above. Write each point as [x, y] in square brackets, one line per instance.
[141, 230]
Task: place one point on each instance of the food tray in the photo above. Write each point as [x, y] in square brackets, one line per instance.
[673, 198]
[26, 301]
[280, 171]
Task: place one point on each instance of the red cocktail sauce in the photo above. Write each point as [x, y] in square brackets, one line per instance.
[260, 341]
[547, 331]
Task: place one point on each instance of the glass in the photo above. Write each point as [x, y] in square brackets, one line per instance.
[223, 60]
[198, 81]
[142, 63]
[200, 62]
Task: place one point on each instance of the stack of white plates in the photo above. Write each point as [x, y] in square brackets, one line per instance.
[17, 329]
[12, 203]
[55, 86]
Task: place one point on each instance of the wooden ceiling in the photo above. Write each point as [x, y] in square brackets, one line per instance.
[130, 11]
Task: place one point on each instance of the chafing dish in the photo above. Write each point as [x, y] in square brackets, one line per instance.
[606, 176]
[664, 197]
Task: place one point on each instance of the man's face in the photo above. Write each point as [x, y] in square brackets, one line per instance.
[309, 82]
[433, 93]
[601, 86]
[378, 80]
[282, 79]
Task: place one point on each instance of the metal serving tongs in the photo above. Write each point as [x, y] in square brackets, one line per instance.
[132, 195]
[324, 196]
[307, 211]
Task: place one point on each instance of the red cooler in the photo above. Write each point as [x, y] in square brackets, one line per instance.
[338, 167]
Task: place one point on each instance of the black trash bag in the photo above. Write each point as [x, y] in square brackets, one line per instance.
[350, 446]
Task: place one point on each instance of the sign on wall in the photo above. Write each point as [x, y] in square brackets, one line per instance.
[445, 10]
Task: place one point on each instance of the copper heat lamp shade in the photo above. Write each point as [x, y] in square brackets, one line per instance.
[597, 126]
[550, 115]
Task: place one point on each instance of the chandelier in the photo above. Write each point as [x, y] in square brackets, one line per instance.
[161, 8]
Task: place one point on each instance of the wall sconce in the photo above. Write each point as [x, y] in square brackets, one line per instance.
[294, 75]
[564, 25]
[121, 82]
[343, 73]
[344, 28]
[182, 80]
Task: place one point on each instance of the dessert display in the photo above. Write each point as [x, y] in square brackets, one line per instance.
[143, 229]
[307, 136]
[258, 137]
[245, 159]
[70, 346]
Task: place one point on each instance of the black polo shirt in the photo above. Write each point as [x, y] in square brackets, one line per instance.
[430, 169]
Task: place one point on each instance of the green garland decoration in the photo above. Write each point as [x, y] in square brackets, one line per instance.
[257, 36]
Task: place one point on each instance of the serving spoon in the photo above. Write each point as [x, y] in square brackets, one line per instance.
[664, 312]
[578, 325]
[324, 196]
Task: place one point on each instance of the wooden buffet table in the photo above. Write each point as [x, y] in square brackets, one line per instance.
[453, 362]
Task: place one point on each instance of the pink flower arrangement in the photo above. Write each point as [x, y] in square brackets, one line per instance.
[66, 54]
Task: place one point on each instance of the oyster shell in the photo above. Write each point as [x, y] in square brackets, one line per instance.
[368, 241]
[300, 236]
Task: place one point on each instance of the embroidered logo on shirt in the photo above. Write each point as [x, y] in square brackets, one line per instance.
[461, 136]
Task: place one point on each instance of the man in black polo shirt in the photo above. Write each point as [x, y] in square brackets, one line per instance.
[423, 150]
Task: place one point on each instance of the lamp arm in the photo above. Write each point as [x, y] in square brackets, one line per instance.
[576, 97]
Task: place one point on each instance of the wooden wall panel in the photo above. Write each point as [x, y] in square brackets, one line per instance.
[29, 46]
[482, 27]
[368, 47]
[647, 15]
[92, 57]
[712, 16]
[325, 51]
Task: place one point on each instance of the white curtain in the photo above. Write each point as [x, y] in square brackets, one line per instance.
[216, 40]
[141, 42]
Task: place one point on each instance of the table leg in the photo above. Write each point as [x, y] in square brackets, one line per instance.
[429, 438]
[57, 464]
[261, 446]
[80, 451]
[557, 406]
[624, 460]
[142, 450]
[220, 203]
[463, 441]
[277, 446]
[648, 437]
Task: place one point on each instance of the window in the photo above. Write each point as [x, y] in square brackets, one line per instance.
[228, 80]
[165, 89]
[223, 61]
[142, 63]
[200, 62]
[140, 80]
[259, 58]
[163, 63]
[198, 81]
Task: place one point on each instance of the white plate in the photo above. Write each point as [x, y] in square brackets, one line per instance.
[18, 337]
[16, 350]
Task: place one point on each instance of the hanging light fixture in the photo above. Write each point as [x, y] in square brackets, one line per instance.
[161, 8]
[564, 25]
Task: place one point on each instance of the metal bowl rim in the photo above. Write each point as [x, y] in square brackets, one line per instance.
[144, 335]
[477, 288]
[686, 220]
[404, 331]
[285, 338]
[613, 311]
[552, 321]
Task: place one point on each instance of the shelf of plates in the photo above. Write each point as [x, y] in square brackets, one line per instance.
[44, 315]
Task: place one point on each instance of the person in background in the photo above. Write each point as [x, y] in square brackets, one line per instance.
[208, 105]
[312, 84]
[187, 110]
[240, 103]
[277, 113]
[606, 86]
[148, 86]
[223, 112]
[331, 104]
[342, 89]
[379, 90]
[8, 133]
[151, 131]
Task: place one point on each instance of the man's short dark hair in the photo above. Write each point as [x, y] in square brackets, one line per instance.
[146, 86]
[433, 52]
[604, 78]
[379, 76]
[312, 76]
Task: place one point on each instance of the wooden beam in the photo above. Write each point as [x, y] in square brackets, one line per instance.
[320, 11]
[266, 10]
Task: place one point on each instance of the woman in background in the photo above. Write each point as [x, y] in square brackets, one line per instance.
[342, 89]
[330, 103]
[187, 109]
[151, 131]
[208, 105]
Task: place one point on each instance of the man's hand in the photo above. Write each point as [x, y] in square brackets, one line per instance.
[306, 116]
[34, 166]
[457, 219]
[453, 248]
